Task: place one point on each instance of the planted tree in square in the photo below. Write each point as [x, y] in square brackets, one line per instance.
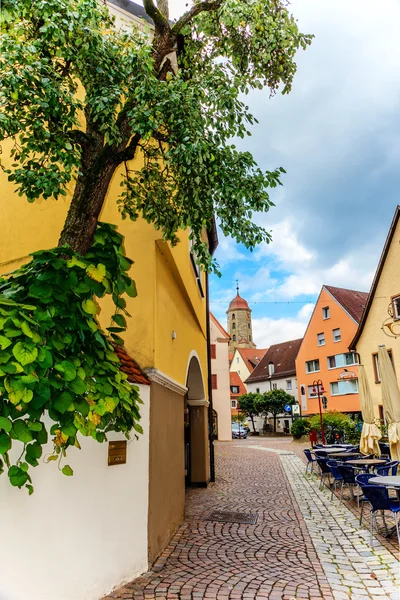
[80, 98]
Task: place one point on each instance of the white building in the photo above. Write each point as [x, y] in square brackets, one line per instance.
[276, 371]
[219, 340]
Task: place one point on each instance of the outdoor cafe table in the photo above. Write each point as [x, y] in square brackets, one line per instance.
[366, 462]
[344, 454]
[390, 481]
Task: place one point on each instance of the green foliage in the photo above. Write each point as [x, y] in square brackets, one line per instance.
[248, 405]
[55, 359]
[336, 423]
[273, 402]
[183, 123]
[299, 428]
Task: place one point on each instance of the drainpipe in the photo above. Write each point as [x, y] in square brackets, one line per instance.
[209, 383]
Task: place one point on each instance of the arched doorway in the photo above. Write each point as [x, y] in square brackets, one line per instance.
[197, 462]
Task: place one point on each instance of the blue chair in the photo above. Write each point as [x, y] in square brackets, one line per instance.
[348, 474]
[325, 471]
[389, 469]
[378, 497]
[362, 479]
[337, 478]
[310, 460]
[318, 446]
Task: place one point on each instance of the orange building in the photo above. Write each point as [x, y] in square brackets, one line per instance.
[237, 390]
[324, 353]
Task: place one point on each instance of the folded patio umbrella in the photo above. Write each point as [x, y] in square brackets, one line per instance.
[370, 434]
[390, 401]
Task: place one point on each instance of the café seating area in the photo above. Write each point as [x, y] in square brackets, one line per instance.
[370, 481]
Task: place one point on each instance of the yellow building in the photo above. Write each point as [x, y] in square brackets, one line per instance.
[167, 337]
[380, 322]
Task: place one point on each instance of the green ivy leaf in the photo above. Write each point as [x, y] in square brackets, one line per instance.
[97, 273]
[24, 353]
[67, 369]
[4, 342]
[63, 402]
[17, 476]
[5, 443]
[78, 386]
[89, 307]
[67, 471]
[5, 424]
[21, 432]
[119, 320]
[131, 289]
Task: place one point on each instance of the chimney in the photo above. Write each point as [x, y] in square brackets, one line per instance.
[271, 368]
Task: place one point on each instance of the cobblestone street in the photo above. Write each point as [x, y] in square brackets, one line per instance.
[301, 546]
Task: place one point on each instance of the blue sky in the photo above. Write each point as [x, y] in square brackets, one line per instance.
[338, 137]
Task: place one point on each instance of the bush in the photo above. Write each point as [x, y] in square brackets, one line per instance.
[336, 423]
[300, 427]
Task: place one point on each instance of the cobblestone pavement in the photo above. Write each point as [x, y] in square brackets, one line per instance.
[305, 549]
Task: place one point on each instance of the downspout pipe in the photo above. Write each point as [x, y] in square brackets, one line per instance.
[209, 384]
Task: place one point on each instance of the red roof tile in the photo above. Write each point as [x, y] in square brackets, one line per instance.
[352, 301]
[130, 367]
[252, 356]
[283, 356]
[238, 302]
[234, 379]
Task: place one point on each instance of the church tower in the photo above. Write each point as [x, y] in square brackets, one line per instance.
[239, 323]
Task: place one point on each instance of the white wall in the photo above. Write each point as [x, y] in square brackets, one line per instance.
[221, 396]
[266, 386]
[77, 537]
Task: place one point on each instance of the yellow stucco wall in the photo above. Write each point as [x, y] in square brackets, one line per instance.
[372, 335]
[168, 295]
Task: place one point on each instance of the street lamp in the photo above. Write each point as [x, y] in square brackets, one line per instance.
[318, 388]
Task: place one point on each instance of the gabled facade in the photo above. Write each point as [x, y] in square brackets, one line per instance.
[380, 322]
[324, 352]
[245, 360]
[167, 337]
[237, 389]
[219, 340]
[276, 371]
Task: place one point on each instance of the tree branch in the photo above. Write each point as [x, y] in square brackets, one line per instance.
[160, 22]
[129, 152]
[195, 10]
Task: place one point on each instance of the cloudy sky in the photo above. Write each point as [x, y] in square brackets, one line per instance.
[338, 137]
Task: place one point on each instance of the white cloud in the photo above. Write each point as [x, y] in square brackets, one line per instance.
[267, 331]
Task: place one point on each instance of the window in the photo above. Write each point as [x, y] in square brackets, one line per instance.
[234, 338]
[312, 366]
[248, 325]
[336, 335]
[321, 339]
[249, 338]
[233, 403]
[233, 325]
[238, 372]
[214, 382]
[288, 384]
[349, 386]
[325, 312]
[233, 316]
[237, 359]
[213, 350]
[312, 392]
[257, 390]
[234, 389]
[342, 360]
[274, 386]
[376, 365]
[396, 307]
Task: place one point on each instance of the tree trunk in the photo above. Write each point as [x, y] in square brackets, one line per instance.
[252, 420]
[86, 204]
[274, 423]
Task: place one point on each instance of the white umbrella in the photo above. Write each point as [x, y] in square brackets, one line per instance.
[370, 434]
[390, 400]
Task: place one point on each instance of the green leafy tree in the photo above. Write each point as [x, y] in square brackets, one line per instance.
[336, 423]
[248, 406]
[273, 402]
[81, 98]
[300, 427]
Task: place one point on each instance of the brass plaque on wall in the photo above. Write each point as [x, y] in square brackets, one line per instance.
[116, 453]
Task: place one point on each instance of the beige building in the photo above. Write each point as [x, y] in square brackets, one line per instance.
[380, 322]
[243, 361]
[219, 340]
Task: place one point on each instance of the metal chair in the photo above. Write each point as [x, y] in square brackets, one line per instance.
[310, 460]
[324, 470]
[389, 469]
[363, 480]
[348, 474]
[378, 497]
[337, 478]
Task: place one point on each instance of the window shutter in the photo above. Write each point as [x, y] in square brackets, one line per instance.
[213, 350]
[214, 382]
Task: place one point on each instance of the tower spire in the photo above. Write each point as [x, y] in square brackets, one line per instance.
[237, 286]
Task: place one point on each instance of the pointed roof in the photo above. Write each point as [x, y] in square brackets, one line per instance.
[223, 331]
[352, 301]
[234, 379]
[377, 276]
[251, 356]
[130, 367]
[238, 303]
[283, 356]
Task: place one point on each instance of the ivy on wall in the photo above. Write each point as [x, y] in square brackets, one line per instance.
[55, 358]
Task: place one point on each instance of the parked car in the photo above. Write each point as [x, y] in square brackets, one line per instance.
[239, 431]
